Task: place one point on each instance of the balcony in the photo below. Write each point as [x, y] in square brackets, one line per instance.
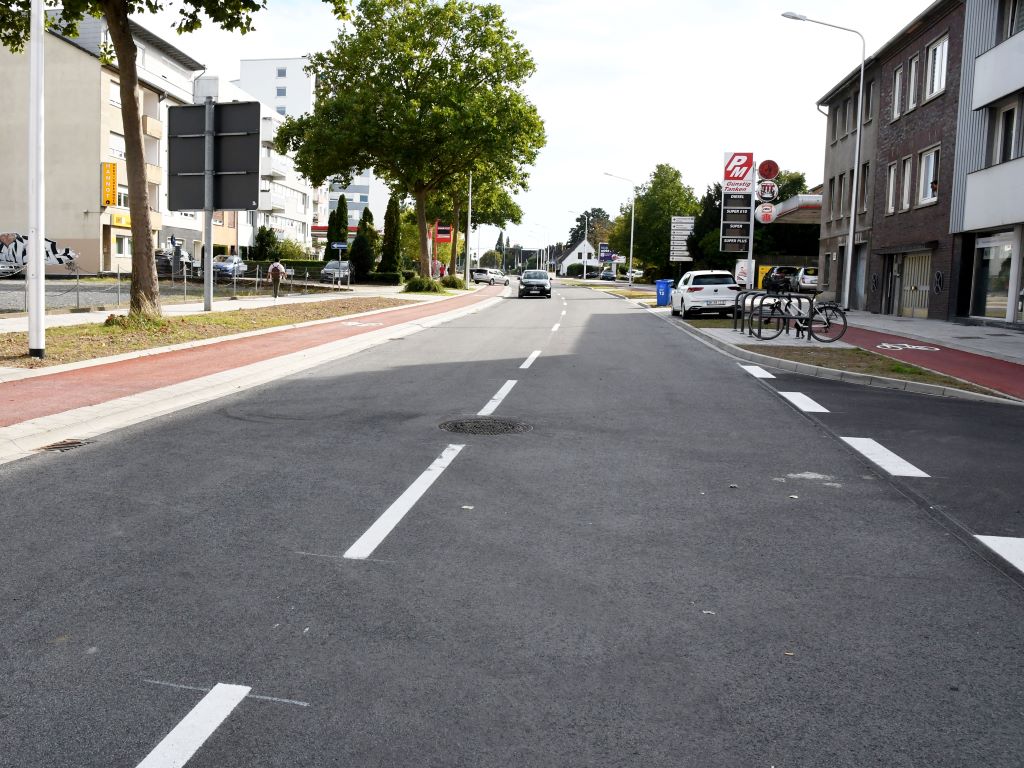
[154, 174]
[995, 196]
[999, 72]
[272, 167]
[270, 201]
[267, 131]
[152, 127]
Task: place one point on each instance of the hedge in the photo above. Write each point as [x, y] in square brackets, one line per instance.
[383, 278]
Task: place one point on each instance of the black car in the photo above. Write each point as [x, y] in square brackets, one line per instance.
[778, 279]
[608, 275]
[535, 282]
[165, 263]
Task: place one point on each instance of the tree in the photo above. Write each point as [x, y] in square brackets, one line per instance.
[370, 232]
[264, 245]
[421, 91]
[360, 256]
[231, 15]
[703, 243]
[389, 255]
[657, 201]
[341, 221]
[501, 241]
[597, 217]
[491, 259]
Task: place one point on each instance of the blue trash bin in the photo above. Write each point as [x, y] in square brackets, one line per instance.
[664, 292]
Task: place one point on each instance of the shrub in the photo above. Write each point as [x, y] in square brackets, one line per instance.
[574, 270]
[408, 274]
[453, 281]
[423, 285]
[383, 278]
[291, 249]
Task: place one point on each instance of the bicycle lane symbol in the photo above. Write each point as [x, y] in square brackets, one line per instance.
[901, 346]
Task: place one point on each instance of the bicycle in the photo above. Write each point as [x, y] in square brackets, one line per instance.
[827, 319]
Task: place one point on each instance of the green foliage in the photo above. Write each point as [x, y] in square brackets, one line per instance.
[597, 217]
[452, 104]
[338, 232]
[265, 245]
[574, 270]
[360, 256]
[453, 281]
[291, 249]
[389, 256]
[408, 274]
[501, 241]
[384, 278]
[662, 197]
[423, 285]
[491, 260]
[409, 243]
[367, 230]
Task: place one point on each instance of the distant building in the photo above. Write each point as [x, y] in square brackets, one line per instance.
[580, 253]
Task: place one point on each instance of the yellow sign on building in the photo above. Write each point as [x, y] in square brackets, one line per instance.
[121, 220]
[109, 172]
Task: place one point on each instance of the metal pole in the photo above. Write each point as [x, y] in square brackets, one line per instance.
[848, 266]
[586, 222]
[632, 218]
[469, 226]
[208, 209]
[34, 283]
[119, 284]
[78, 288]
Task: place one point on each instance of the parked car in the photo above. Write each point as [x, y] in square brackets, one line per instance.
[806, 280]
[335, 271]
[705, 291]
[779, 279]
[608, 275]
[165, 263]
[535, 282]
[489, 276]
[9, 268]
[636, 274]
[229, 266]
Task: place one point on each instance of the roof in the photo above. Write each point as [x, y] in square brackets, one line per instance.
[176, 55]
[799, 209]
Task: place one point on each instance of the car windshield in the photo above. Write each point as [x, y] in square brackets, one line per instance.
[713, 280]
[535, 275]
[221, 259]
[786, 270]
[331, 265]
[811, 271]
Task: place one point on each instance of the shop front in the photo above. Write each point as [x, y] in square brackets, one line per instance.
[996, 289]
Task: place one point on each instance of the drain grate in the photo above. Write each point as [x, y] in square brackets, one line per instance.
[65, 445]
[486, 426]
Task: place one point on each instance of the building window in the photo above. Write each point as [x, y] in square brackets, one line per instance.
[907, 187]
[364, 198]
[846, 116]
[834, 116]
[935, 78]
[122, 196]
[1014, 17]
[842, 194]
[869, 102]
[1005, 147]
[897, 91]
[831, 198]
[928, 178]
[890, 188]
[281, 110]
[282, 91]
[865, 182]
[122, 245]
[282, 72]
[115, 93]
[116, 144]
[912, 83]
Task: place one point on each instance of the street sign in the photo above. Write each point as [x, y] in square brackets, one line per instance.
[680, 258]
[767, 191]
[765, 213]
[236, 150]
[338, 245]
[768, 169]
[738, 176]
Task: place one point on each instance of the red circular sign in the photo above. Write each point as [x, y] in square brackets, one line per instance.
[768, 169]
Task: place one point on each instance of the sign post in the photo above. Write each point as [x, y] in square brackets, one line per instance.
[682, 228]
[738, 208]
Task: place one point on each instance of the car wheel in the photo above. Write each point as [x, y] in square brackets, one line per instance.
[675, 312]
[491, 282]
[506, 282]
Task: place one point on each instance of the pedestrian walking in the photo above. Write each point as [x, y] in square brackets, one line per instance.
[276, 271]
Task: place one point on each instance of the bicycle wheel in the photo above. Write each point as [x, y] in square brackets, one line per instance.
[828, 324]
[769, 321]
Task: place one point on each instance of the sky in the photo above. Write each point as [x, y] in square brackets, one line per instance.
[624, 86]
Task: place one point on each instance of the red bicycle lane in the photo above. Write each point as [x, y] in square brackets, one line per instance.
[48, 394]
[990, 372]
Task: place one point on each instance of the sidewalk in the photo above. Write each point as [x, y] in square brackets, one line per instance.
[989, 357]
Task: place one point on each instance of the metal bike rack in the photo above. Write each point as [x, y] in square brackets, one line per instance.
[739, 308]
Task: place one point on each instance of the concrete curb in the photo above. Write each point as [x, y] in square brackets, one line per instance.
[850, 377]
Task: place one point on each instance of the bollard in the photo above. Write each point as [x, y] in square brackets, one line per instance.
[78, 289]
[119, 284]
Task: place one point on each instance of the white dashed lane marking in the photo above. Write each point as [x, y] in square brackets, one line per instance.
[188, 736]
[376, 533]
[803, 402]
[757, 371]
[1007, 547]
[500, 395]
[883, 457]
[529, 361]
[555, 327]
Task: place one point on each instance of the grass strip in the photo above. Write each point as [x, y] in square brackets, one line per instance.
[118, 335]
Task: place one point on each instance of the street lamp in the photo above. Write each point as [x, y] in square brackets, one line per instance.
[586, 222]
[848, 266]
[632, 218]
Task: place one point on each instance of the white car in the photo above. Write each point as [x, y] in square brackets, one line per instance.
[705, 291]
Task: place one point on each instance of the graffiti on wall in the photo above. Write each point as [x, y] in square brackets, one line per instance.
[14, 252]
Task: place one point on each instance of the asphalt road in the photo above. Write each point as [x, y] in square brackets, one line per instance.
[673, 566]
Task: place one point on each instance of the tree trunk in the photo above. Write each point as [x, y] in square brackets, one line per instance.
[456, 210]
[421, 223]
[145, 291]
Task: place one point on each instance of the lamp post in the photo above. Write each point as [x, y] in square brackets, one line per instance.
[34, 276]
[632, 218]
[586, 222]
[848, 266]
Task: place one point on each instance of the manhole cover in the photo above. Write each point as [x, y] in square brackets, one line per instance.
[485, 426]
[64, 445]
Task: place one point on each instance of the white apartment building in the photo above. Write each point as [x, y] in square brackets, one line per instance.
[988, 185]
[84, 131]
[286, 198]
[284, 85]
